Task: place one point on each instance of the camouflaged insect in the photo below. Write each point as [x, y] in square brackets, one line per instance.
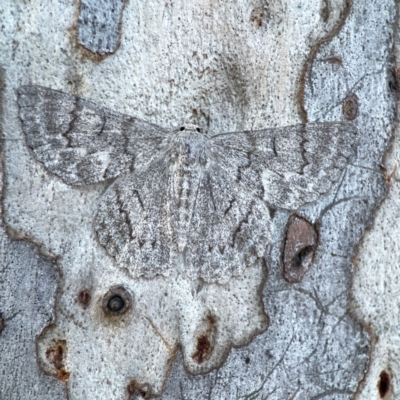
[182, 196]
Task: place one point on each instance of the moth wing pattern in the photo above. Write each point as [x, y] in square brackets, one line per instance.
[133, 225]
[137, 224]
[80, 142]
[212, 217]
[230, 228]
[288, 167]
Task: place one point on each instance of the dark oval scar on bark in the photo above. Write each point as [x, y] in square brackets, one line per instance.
[384, 384]
[84, 298]
[300, 246]
[350, 106]
[55, 356]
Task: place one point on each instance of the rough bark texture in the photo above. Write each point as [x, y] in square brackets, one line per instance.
[375, 294]
[28, 283]
[229, 66]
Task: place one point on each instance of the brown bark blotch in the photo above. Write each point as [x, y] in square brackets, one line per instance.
[55, 356]
[143, 390]
[204, 347]
[300, 246]
[335, 60]
[256, 18]
[350, 106]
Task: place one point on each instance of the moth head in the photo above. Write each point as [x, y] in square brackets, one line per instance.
[188, 128]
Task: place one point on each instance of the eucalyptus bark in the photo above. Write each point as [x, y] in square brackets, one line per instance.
[303, 322]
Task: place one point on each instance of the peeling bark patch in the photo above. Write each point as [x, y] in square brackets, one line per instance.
[142, 390]
[350, 106]
[55, 356]
[300, 246]
[384, 384]
[99, 25]
[84, 298]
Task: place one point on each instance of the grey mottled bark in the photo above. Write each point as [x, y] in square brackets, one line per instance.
[28, 283]
[99, 25]
[232, 67]
[299, 362]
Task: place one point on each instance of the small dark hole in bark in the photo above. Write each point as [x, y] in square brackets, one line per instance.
[198, 130]
[301, 255]
[384, 384]
[116, 303]
[247, 360]
[182, 128]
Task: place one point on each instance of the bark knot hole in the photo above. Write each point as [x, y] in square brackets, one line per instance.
[116, 301]
[301, 256]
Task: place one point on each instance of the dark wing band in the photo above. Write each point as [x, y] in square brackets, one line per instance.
[80, 142]
[291, 166]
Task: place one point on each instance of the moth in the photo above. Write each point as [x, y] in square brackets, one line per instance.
[182, 197]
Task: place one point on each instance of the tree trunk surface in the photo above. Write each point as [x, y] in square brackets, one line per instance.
[316, 317]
